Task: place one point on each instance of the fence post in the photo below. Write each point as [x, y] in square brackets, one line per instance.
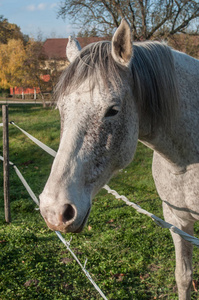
[6, 164]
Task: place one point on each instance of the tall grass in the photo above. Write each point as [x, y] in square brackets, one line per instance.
[128, 255]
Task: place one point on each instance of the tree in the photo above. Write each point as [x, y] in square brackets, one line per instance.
[185, 43]
[26, 66]
[10, 31]
[12, 56]
[148, 18]
[34, 65]
[40, 71]
[86, 33]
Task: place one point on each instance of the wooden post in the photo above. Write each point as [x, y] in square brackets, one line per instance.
[6, 163]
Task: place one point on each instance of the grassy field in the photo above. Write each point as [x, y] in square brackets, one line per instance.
[129, 256]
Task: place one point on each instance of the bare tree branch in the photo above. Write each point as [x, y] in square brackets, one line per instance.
[148, 18]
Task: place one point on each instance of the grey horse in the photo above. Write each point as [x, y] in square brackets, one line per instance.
[111, 95]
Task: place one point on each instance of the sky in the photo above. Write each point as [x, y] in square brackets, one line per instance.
[34, 16]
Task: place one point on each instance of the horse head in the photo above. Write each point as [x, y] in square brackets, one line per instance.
[99, 128]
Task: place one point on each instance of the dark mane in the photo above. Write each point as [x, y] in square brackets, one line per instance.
[154, 81]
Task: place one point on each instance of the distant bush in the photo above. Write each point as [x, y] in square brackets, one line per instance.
[5, 93]
[186, 43]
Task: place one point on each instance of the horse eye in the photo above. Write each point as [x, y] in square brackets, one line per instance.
[112, 111]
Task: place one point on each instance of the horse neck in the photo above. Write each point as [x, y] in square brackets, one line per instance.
[178, 145]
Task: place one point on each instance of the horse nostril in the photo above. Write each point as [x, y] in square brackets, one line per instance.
[68, 214]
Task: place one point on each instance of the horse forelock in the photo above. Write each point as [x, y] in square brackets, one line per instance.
[95, 63]
[155, 83]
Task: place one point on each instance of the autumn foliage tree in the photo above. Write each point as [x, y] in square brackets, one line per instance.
[34, 65]
[10, 31]
[12, 54]
[12, 57]
[22, 60]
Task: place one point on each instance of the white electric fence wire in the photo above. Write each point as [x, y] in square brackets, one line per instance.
[67, 244]
[36, 141]
[157, 220]
[32, 195]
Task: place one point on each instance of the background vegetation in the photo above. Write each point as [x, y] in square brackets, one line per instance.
[23, 61]
[129, 256]
[148, 18]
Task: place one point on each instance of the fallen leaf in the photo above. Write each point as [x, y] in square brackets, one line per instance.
[68, 286]
[110, 221]
[66, 260]
[141, 277]
[195, 285]
[119, 276]
[144, 277]
[27, 163]
[31, 282]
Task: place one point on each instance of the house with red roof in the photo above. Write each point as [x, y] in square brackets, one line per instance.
[55, 49]
[56, 61]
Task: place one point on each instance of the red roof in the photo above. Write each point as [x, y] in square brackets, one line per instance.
[56, 48]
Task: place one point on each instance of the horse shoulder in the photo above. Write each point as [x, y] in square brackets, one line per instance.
[179, 190]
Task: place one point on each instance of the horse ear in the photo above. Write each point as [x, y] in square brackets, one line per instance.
[122, 44]
[72, 49]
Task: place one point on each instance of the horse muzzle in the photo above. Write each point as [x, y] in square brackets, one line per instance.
[64, 219]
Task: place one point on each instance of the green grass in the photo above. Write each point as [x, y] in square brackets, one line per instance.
[129, 256]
